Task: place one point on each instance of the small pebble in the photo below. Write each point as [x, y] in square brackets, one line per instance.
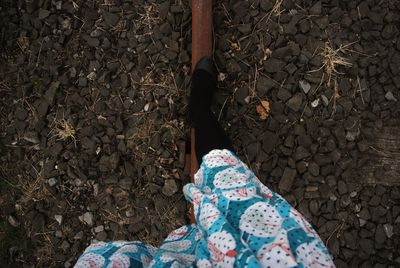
[12, 221]
[390, 97]
[99, 229]
[388, 230]
[87, 218]
[52, 181]
[315, 103]
[305, 86]
[58, 218]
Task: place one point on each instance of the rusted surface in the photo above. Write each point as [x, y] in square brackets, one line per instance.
[201, 46]
[201, 29]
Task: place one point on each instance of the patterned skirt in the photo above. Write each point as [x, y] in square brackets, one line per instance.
[239, 223]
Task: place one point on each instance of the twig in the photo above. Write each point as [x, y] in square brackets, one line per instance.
[337, 229]
[40, 51]
[359, 86]
[222, 108]
[335, 96]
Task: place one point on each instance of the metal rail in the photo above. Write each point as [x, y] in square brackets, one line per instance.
[201, 47]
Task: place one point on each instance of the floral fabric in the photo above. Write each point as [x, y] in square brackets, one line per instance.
[239, 223]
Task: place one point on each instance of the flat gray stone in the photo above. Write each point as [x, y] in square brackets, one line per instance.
[286, 182]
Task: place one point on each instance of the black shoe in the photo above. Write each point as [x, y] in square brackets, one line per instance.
[204, 84]
[207, 64]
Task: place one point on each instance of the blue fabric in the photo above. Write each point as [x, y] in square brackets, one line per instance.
[240, 223]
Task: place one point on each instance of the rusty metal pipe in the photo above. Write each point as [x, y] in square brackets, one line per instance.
[201, 47]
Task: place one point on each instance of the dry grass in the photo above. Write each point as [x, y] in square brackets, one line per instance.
[276, 10]
[63, 130]
[140, 140]
[23, 43]
[31, 188]
[45, 252]
[332, 59]
[149, 16]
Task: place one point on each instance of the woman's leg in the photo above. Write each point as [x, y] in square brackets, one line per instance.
[209, 133]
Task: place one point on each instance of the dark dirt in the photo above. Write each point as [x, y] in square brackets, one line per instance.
[93, 108]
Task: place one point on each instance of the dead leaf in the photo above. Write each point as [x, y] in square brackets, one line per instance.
[263, 109]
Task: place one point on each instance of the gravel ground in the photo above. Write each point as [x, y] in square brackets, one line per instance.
[93, 119]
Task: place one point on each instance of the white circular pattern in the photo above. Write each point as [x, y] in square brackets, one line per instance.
[261, 219]
[208, 215]
[219, 158]
[177, 246]
[310, 255]
[203, 263]
[119, 260]
[277, 253]
[229, 178]
[90, 260]
[240, 194]
[177, 234]
[222, 249]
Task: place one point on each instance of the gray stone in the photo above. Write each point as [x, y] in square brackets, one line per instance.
[283, 94]
[65, 245]
[43, 13]
[316, 9]
[21, 113]
[125, 183]
[101, 236]
[305, 86]
[245, 28]
[99, 229]
[325, 100]
[92, 41]
[380, 236]
[367, 245]
[313, 168]
[269, 141]
[314, 207]
[233, 67]
[52, 181]
[31, 137]
[264, 84]
[79, 235]
[364, 214]
[388, 229]
[345, 200]
[342, 187]
[111, 19]
[390, 97]
[273, 65]
[13, 221]
[169, 187]
[286, 182]
[114, 160]
[374, 201]
[58, 218]
[295, 102]
[266, 5]
[301, 153]
[87, 218]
